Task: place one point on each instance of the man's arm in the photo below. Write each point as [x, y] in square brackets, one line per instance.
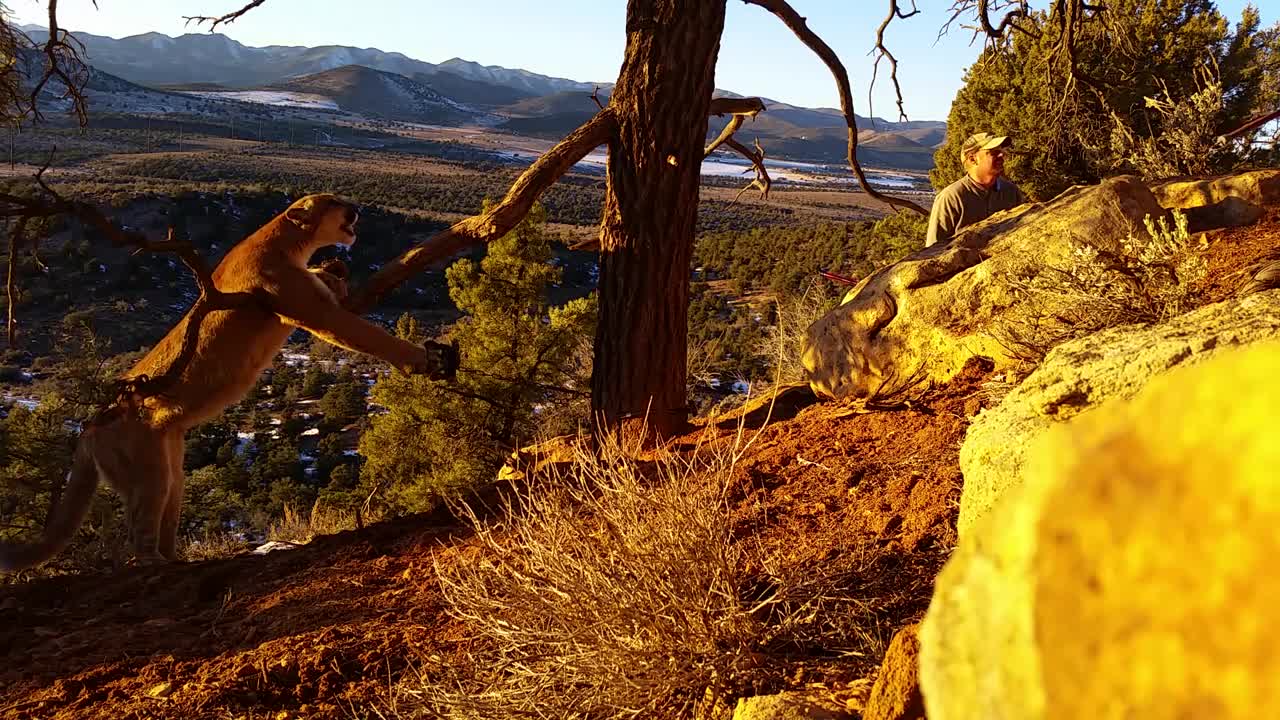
[943, 218]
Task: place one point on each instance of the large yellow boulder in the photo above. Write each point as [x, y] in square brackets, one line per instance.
[1080, 375]
[1132, 573]
[921, 319]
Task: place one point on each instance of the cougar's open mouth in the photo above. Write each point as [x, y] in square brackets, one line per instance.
[349, 227]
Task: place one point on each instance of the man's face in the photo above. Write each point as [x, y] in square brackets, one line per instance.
[990, 163]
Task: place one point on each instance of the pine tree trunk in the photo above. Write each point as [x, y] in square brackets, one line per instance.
[662, 98]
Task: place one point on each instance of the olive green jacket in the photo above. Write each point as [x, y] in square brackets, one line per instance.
[965, 202]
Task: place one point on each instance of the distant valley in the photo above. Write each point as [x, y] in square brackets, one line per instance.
[205, 75]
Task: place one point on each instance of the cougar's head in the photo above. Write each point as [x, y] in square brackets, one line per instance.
[329, 219]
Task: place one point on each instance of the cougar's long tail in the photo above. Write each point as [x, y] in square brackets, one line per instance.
[64, 519]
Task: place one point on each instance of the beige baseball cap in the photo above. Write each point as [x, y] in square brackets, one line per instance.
[984, 141]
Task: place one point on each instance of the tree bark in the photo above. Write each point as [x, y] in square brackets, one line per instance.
[661, 102]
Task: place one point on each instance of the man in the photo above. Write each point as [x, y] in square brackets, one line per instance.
[981, 193]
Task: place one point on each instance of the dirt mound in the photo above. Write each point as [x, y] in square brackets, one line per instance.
[309, 630]
[1234, 253]
[322, 629]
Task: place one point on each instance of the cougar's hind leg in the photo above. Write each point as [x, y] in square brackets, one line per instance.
[174, 449]
[137, 466]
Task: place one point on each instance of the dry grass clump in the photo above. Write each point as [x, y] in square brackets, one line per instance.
[295, 526]
[617, 589]
[783, 343]
[214, 546]
[1157, 275]
[608, 592]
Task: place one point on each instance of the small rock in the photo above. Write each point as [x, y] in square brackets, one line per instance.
[785, 706]
[163, 690]
[896, 694]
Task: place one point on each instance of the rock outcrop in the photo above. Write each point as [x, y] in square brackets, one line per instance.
[1131, 572]
[1084, 373]
[1226, 201]
[921, 319]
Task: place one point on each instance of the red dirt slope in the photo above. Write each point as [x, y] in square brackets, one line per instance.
[327, 628]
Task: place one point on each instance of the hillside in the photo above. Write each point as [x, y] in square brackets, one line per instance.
[561, 103]
[154, 59]
[379, 94]
[786, 131]
[471, 92]
[393, 86]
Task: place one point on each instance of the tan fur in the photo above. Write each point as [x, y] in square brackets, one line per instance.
[138, 450]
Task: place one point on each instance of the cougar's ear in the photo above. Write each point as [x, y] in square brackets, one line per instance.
[299, 216]
[302, 213]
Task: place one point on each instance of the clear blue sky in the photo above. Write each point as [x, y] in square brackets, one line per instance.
[583, 39]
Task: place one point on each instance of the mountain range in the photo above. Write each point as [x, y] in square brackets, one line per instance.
[393, 86]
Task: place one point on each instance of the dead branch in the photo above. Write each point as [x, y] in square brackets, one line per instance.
[15, 239]
[756, 156]
[215, 21]
[749, 106]
[982, 9]
[730, 128]
[498, 220]
[880, 51]
[63, 61]
[595, 95]
[796, 23]
[50, 204]
[1252, 124]
[740, 109]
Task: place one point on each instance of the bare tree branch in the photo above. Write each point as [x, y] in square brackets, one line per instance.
[15, 239]
[63, 61]
[23, 209]
[595, 95]
[730, 128]
[793, 20]
[499, 220]
[215, 21]
[880, 51]
[756, 157]
[740, 109]
[982, 9]
[749, 106]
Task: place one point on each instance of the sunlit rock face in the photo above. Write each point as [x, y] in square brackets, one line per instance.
[1130, 569]
[918, 321]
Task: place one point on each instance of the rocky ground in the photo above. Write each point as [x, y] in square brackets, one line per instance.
[326, 630]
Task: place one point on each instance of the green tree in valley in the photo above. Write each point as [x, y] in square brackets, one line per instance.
[36, 442]
[343, 403]
[522, 361]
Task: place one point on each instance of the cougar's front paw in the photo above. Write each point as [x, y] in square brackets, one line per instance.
[441, 361]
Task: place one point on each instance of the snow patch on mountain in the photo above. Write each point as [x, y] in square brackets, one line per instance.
[272, 97]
